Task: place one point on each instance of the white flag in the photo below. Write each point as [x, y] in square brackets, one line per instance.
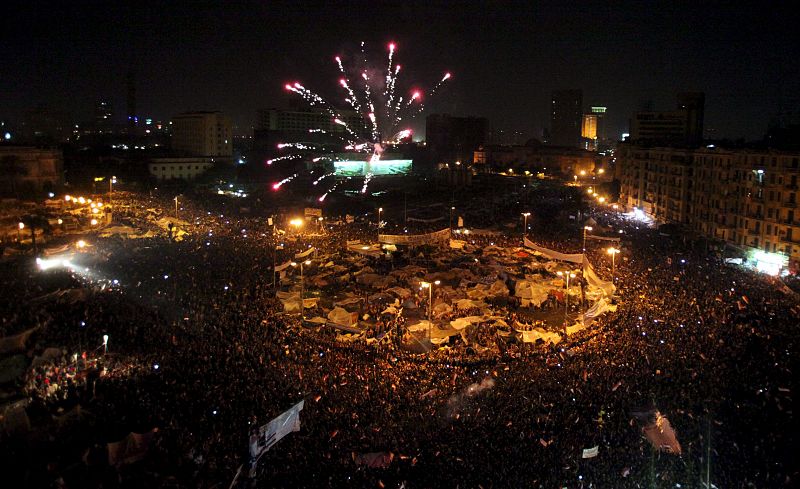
[272, 432]
[283, 266]
[591, 452]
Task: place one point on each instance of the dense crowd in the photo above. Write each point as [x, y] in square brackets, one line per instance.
[199, 348]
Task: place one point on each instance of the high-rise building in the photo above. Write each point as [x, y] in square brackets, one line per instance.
[681, 126]
[693, 106]
[302, 125]
[566, 118]
[202, 134]
[103, 116]
[600, 112]
[450, 139]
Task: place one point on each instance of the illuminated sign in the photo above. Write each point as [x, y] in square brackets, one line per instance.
[355, 168]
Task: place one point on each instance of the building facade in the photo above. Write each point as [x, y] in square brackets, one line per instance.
[566, 118]
[684, 125]
[745, 197]
[187, 168]
[450, 139]
[535, 159]
[26, 171]
[202, 134]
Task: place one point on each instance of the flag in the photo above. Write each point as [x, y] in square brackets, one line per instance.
[272, 432]
[590, 452]
[283, 266]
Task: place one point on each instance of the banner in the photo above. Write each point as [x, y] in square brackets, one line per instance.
[415, 239]
[283, 266]
[313, 212]
[417, 219]
[305, 253]
[602, 238]
[272, 432]
[590, 452]
[554, 255]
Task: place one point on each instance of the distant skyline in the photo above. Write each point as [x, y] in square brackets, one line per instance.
[506, 57]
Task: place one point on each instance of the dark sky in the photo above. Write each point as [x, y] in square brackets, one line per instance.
[506, 57]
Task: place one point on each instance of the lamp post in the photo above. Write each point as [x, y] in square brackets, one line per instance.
[613, 252]
[20, 227]
[176, 207]
[429, 286]
[105, 344]
[525, 225]
[111, 182]
[302, 305]
[380, 209]
[585, 228]
[452, 208]
[567, 275]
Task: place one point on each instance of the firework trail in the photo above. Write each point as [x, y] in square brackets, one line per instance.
[372, 130]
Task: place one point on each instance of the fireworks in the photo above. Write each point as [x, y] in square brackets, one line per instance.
[374, 97]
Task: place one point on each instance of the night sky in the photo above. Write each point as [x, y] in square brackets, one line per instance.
[506, 57]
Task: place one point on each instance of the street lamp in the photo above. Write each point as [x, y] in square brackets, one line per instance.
[105, 343]
[452, 208]
[567, 275]
[429, 286]
[20, 227]
[302, 305]
[176, 207]
[380, 209]
[525, 225]
[585, 228]
[297, 223]
[111, 182]
[613, 252]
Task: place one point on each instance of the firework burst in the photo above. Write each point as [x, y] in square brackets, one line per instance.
[376, 112]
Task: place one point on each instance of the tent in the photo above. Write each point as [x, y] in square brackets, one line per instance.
[342, 317]
[468, 303]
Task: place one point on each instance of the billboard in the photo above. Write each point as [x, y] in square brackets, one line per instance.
[356, 168]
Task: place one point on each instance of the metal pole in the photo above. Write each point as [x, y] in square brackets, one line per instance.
[708, 454]
[301, 291]
[566, 307]
[613, 266]
[176, 207]
[430, 309]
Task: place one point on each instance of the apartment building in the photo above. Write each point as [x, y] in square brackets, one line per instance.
[746, 197]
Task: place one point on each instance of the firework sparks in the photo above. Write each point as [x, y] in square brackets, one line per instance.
[367, 90]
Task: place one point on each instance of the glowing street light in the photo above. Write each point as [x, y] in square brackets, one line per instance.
[380, 209]
[525, 216]
[296, 222]
[613, 252]
[105, 343]
[429, 286]
[585, 228]
[601, 199]
[81, 244]
[93, 222]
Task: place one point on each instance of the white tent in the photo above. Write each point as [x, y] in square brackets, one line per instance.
[341, 317]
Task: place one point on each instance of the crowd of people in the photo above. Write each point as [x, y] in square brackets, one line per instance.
[199, 348]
